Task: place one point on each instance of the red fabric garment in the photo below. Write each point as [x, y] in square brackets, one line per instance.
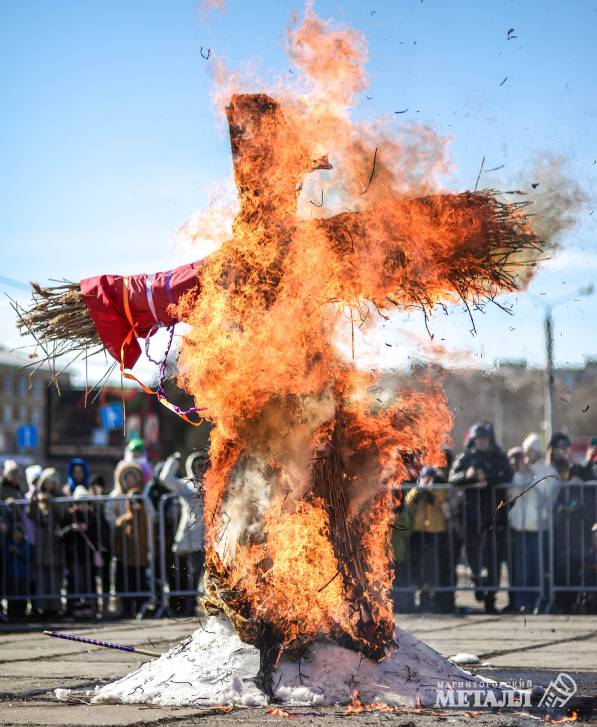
[104, 298]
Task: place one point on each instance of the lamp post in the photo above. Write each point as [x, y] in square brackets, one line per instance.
[548, 306]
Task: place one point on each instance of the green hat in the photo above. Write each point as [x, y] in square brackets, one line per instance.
[135, 444]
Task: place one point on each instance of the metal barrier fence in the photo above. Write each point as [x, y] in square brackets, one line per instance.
[179, 572]
[78, 554]
[573, 546]
[116, 554]
[534, 542]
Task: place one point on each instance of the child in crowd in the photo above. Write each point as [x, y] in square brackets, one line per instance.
[46, 515]
[84, 541]
[429, 543]
[18, 558]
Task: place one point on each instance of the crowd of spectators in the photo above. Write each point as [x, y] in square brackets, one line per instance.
[483, 517]
[79, 539]
[489, 511]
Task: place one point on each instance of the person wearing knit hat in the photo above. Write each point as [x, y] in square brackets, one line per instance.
[45, 514]
[85, 537]
[135, 454]
[188, 549]
[10, 487]
[481, 469]
[532, 496]
[131, 537]
[79, 492]
[533, 443]
[559, 451]
[9, 467]
[573, 518]
[429, 543]
[32, 473]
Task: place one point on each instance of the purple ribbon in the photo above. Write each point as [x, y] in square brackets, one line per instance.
[156, 326]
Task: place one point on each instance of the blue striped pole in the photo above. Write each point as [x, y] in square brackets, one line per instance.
[104, 644]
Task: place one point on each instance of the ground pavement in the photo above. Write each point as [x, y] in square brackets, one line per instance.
[510, 647]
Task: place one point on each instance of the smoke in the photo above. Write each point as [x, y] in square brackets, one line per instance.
[207, 229]
[204, 7]
[557, 197]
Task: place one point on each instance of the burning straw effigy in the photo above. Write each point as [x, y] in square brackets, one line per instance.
[304, 460]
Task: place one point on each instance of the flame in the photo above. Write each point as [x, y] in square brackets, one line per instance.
[304, 566]
[572, 717]
[278, 712]
[303, 457]
[332, 60]
[355, 706]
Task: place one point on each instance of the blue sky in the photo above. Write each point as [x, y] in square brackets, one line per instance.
[109, 140]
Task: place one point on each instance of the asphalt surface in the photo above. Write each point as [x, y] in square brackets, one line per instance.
[32, 666]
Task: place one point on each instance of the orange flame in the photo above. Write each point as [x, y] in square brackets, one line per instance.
[278, 712]
[572, 717]
[355, 706]
[289, 411]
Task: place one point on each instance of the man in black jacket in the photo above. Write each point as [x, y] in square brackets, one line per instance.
[485, 465]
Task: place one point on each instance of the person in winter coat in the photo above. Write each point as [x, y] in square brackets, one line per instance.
[103, 564]
[18, 559]
[590, 568]
[32, 475]
[532, 497]
[77, 475]
[168, 515]
[11, 489]
[46, 516]
[429, 542]
[97, 486]
[128, 480]
[132, 530]
[127, 475]
[404, 601]
[188, 547]
[83, 545]
[135, 454]
[573, 518]
[483, 464]
[590, 463]
[11, 516]
[10, 486]
[559, 451]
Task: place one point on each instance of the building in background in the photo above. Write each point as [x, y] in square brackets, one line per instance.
[512, 396]
[23, 406]
[39, 423]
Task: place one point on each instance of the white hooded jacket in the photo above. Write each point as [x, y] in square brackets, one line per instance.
[113, 507]
[190, 531]
[531, 511]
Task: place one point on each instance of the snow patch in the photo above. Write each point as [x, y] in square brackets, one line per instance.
[465, 659]
[62, 695]
[214, 667]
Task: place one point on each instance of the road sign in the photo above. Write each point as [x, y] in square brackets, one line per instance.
[27, 436]
[112, 415]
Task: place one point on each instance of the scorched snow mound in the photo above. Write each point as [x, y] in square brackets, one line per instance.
[213, 666]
